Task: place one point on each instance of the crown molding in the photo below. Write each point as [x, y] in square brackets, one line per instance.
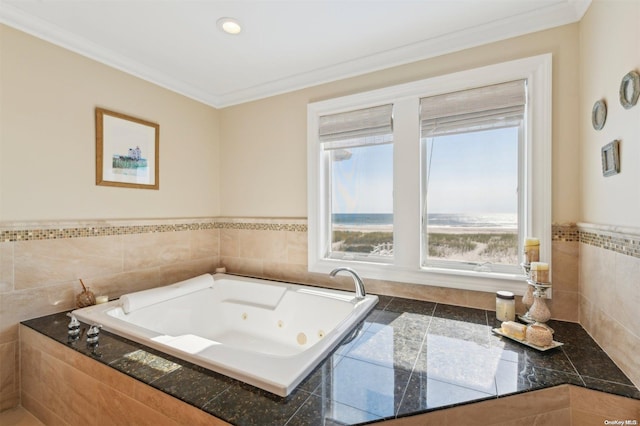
[51, 33]
[555, 15]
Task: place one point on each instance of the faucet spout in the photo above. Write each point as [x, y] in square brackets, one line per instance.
[360, 291]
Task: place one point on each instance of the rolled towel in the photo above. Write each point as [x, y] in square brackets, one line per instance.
[514, 329]
[140, 299]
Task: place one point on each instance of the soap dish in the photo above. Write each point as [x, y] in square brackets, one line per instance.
[553, 345]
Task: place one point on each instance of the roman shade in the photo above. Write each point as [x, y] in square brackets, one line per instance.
[483, 108]
[368, 126]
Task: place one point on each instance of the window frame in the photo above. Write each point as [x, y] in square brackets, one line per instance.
[536, 205]
[438, 264]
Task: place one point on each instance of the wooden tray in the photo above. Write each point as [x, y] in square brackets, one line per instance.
[553, 345]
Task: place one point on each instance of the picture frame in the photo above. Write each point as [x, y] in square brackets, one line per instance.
[611, 158]
[629, 89]
[127, 151]
[599, 114]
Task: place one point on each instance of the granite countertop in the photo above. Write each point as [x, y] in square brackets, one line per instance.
[410, 357]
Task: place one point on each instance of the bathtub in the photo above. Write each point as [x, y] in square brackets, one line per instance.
[265, 333]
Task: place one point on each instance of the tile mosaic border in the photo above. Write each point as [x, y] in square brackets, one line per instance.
[620, 240]
[565, 233]
[13, 232]
[262, 223]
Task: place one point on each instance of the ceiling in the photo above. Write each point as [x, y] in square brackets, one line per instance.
[284, 46]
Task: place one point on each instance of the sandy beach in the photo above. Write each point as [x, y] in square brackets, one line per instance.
[474, 244]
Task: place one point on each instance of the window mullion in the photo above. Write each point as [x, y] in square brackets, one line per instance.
[406, 182]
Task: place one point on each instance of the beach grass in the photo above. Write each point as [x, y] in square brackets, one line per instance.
[361, 242]
[495, 247]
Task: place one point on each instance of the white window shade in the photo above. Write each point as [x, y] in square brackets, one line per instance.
[483, 108]
[368, 126]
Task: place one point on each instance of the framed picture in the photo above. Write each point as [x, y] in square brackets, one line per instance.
[599, 114]
[127, 151]
[630, 89]
[611, 159]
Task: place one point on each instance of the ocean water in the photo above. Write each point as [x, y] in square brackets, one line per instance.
[355, 219]
[496, 220]
[499, 220]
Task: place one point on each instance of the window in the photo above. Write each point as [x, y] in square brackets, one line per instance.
[357, 148]
[472, 144]
[434, 182]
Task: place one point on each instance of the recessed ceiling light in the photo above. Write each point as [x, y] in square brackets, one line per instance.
[229, 25]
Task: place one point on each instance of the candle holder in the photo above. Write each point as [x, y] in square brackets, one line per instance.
[539, 311]
[527, 299]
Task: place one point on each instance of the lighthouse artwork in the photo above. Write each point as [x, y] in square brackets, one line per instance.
[126, 151]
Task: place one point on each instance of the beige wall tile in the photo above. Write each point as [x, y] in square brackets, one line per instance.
[82, 388]
[54, 385]
[608, 300]
[237, 265]
[173, 408]
[116, 285]
[626, 292]
[267, 245]
[586, 309]
[565, 266]
[9, 400]
[297, 247]
[564, 305]
[286, 272]
[71, 387]
[230, 242]
[502, 409]
[51, 262]
[582, 418]
[184, 270]
[143, 251]
[550, 418]
[9, 379]
[42, 413]
[30, 363]
[115, 408]
[205, 243]
[619, 343]
[26, 304]
[433, 418]
[603, 405]
[9, 363]
[6, 267]
[597, 274]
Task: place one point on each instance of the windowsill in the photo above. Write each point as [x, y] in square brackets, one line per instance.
[437, 277]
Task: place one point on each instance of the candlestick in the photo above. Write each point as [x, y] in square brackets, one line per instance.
[540, 272]
[531, 250]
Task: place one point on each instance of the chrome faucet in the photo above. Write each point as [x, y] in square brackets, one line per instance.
[360, 292]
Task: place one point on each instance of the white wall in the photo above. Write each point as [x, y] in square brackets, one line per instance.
[47, 139]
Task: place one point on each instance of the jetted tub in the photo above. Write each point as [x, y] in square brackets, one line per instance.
[265, 333]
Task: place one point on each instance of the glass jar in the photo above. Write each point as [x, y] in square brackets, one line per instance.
[505, 306]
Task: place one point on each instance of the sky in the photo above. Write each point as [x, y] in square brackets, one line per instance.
[459, 181]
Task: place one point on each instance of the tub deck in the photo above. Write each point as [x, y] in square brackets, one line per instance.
[265, 333]
[411, 357]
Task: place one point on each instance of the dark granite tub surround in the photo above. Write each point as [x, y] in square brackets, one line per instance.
[409, 357]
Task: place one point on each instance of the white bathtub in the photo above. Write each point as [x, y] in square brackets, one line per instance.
[265, 333]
